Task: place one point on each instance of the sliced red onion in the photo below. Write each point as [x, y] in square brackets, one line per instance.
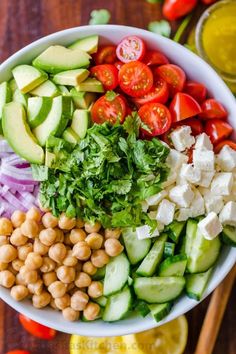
[14, 184]
[14, 201]
[4, 146]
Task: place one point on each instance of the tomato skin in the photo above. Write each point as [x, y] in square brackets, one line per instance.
[208, 2]
[174, 9]
[183, 106]
[195, 124]
[104, 110]
[105, 55]
[159, 93]
[196, 90]
[107, 74]
[213, 109]
[173, 75]
[118, 64]
[36, 329]
[153, 57]
[131, 48]
[217, 130]
[18, 351]
[219, 146]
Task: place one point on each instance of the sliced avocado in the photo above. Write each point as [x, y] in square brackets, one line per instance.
[20, 97]
[38, 109]
[71, 77]
[5, 95]
[57, 58]
[13, 85]
[50, 157]
[70, 136]
[46, 89]
[82, 99]
[88, 44]
[56, 121]
[27, 77]
[18, 134]
[64, 90]
[80, 122]
[90, 85]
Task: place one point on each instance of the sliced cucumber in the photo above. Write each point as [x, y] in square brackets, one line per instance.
[102, 301]
[169, 249]
[142, 308]
[173, 266]
[175, 229]
[196, 284]
[117, 273]
[100, 273]
[191, 231]
[160, 311]
[117, 306]
[158, 289]
[136, 249]
[229, 235]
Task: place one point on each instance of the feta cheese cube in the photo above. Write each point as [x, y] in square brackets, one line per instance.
[182, 138]
[204, 160]
[228, 214]
[182, 195]
[206, 178]
[203, 142]
[152, 214]
[156, 198]
[226, 159]
[190, 173]
[183, 214]
[197, 207]
[175, 159]
[171, 179]
[222, 183]
[165, 212]
[144, 232]
[213, 203]
[210, 226]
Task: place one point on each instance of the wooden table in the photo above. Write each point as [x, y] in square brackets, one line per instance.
[23, 21]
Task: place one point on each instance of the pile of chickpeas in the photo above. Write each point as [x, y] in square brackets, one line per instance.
[52, 260]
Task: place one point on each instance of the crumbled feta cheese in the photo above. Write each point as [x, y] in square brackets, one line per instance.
[156, 198]
[210, 226]
[144, 232]
[183, 214]
[197, 207]
[152, 214]
[228, 214]
[203, 142]
[175, 159]
[190, 173]
[206, 179]
[182, 138]
[226, 159]
[204, 160]
[170, 179]
[165, 212]
[182, 195]
[213, 203]
[222, 183]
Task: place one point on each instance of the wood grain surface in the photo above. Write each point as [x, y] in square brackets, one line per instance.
[23, 21]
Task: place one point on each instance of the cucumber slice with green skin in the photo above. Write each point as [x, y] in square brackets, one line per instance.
[117, 274]
[80, 122]
[5, 95]
[102, 301]
[136, 249]
[46, 89]
[150, 263]
[20, 97]
[196, 284]
[13, 85]
[175, 229]
[173, 266]
[64, 90]
[160, 311]
[169, 249]
[89, 44]
[118, 306]
[130, 281]
[191, 231]
[38, 109]
[142, 308]
[100, 273]
[228, 235]
[156, 290]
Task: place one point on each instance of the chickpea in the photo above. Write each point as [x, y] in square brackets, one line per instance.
[7, 279]
[78, 266]
[60, 235]
[66, 223]
[83, 280]
[17, 264]
[57, 289]
[70, 315]
[94, 240]
[70, 260]
[89, 268]
[91, 311]
[6, 227]
[81, 251]
[4, 240]
[17, 238]
[95, 227]
[30, 228]
[79, 300]
[70, 287]
[33, 261]
[53, 304]
[40, 248]
[41, 300]
[17, 218]
[49, 220]
[19, 292]
[33, 214]
[112, 233]
[7, 253]
[20, 280]
[62, 302]
[66, 274]
[3, 266]
[79, 223]
[57, 252]
[49, 278]
[113, 247]
[36, 288]
[77, 235]
[23, 251]
[48, 265]
[67, 240]
[95, 289]
[28, 275]
[99, 258]
[48, 236]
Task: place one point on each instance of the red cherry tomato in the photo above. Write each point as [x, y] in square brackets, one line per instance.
[18, 351]
[153, 57]
[130, 48]
[194, 123]
[183, 106]
[105, 55]
[173, 75]
[112, 111]
[36, 329]
[230, 143]
[174, 9]
[196, 90]
[107, 74]
[158, 93]
[166, 138]
[118, 64]
[208, 2]
[135, 78]
[213, 109]
[156, 117]
[217, 130]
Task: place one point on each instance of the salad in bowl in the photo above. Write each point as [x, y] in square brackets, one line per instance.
[118, 181]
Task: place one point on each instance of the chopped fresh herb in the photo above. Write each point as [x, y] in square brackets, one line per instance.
[39, 172]
[110, 95]
[99, 17]
[160, 27]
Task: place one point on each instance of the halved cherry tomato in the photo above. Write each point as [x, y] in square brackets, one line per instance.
[194, 123]
[213, 109]
[230, 143]
[36, 329]
[173, 75]
[18, 351]
[158, 93]
[217, 130]
[112, 111]
[131, 48]
[156, 117]
[196, 90]
[153, 57]
[135, 78]
[107, 74]
[105, 55]
[174, 9]
[183, 106]
[118, 64]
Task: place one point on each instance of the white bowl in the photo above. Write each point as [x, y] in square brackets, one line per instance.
[196, 69]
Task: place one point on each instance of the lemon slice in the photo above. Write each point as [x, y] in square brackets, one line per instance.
[94, 345]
